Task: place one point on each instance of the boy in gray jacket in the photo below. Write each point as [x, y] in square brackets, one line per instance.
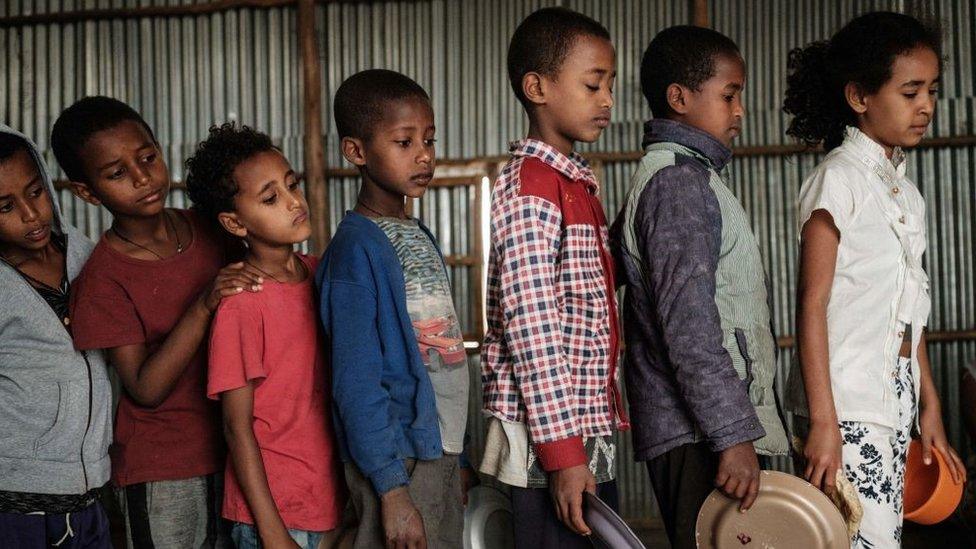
[55, 421]
[700, 356]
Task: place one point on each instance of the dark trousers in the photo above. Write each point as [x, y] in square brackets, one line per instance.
[536, 524]
[682, 479]
[86, 529]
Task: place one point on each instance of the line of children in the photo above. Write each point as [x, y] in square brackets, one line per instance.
[700, 354]
[863, 382]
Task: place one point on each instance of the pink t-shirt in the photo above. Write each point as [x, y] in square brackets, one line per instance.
[272, 337]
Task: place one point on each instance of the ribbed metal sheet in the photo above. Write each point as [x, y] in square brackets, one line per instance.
[187, 73]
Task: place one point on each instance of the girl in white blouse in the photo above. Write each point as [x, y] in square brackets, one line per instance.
[862, 381]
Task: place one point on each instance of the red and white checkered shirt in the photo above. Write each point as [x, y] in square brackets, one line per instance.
[550, 350]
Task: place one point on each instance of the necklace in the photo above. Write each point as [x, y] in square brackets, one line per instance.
[169, 223]
[273, 277]
[363, 204]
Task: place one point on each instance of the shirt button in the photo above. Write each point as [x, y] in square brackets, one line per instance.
[895, 190]
[901, 219]
[901, 334]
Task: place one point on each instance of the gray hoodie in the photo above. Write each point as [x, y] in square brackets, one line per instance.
[55, 402]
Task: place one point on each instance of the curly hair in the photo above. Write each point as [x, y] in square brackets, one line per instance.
[210, 171]
[543, 40]
[83, 119]
[684, 55]
[862, 53]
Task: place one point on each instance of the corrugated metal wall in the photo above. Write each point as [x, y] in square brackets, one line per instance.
[189, 72]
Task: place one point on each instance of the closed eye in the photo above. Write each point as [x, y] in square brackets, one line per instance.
[271, 199]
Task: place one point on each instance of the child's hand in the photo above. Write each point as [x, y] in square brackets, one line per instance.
[232, 279]
[738, 474]
[933, 434]
[567, 487]
[469, 479]
[823, 455]
[402, 523]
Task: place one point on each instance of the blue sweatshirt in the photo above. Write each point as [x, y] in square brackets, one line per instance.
[385, 405]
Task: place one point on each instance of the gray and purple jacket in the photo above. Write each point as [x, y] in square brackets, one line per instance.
[700, 356]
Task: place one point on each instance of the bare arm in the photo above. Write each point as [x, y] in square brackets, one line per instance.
[818, 257]
[238, 408]
[150, 378]
[930, 418]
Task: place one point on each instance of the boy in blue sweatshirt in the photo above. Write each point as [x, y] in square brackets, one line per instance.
[400, 376]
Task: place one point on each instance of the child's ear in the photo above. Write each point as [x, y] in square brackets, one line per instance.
[84, 192]
[354, 150]
[855, 98]
[532, 88]
[232, 224]
[676, 96]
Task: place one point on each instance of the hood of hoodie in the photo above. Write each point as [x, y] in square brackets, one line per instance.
[35, 153]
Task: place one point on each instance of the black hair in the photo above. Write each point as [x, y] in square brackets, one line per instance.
[10, 144]
[862, 52]
[683, 55]
[86, 117]
[362, 100]
[210, 171]
[543, 40]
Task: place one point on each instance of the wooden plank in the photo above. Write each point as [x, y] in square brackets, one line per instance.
[699, 14]
[315, 182]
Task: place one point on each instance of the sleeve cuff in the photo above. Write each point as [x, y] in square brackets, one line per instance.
[389, 477]
[561, 454]
[744, 430]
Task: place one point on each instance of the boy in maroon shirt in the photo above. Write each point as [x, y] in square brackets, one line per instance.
[146, 295]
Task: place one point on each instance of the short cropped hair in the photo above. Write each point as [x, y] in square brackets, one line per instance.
[80, 121]
[682, 55]
[362, 100]
[543, 40]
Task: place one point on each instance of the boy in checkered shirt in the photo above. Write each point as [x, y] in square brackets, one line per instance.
[549, 363]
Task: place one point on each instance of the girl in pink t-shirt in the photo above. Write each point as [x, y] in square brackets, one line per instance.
[267, 365]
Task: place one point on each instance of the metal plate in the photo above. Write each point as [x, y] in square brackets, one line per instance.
[789, 513]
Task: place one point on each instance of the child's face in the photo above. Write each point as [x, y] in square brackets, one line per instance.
[717, 108]
[26, 212]
[399, 155]
[270, 205]
[898, 114]
[578, 98]
[125, 171]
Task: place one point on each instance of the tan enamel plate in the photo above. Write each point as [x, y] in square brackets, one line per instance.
[789, 513]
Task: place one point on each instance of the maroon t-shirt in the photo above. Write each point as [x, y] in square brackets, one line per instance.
[117, 300]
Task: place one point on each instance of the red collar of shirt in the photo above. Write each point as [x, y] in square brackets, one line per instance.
[573, 166]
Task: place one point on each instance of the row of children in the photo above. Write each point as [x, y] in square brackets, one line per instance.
[342, 381]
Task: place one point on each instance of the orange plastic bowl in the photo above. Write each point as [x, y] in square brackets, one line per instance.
[930, 494]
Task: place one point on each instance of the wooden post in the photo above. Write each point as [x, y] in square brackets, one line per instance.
[315, 182]
[699, 15]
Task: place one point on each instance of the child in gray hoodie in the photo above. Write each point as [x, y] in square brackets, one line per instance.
[55, 422]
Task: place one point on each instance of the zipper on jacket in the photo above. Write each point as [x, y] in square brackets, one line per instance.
[84, 468]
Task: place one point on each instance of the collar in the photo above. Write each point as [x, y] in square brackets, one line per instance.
[659, 130]
[573, 166]
[873, 155]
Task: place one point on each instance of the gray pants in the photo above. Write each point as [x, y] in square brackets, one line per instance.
[435, 488]
[178, 514]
